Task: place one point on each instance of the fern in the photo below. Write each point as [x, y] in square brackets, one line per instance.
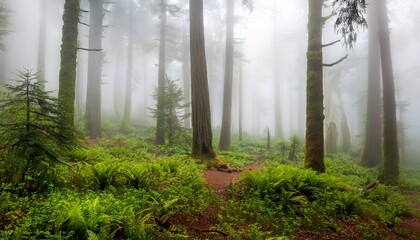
[104, 174]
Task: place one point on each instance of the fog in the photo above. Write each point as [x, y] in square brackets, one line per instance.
[272, 39]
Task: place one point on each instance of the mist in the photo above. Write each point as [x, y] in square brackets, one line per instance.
[271, 39]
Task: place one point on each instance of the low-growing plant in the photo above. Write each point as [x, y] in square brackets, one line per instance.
[104, 174]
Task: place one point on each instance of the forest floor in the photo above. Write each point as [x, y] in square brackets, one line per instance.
[407, 228]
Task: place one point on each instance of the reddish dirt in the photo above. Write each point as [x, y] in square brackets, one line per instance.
[222, 179]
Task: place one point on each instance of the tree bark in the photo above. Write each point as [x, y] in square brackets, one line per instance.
[186, 75]
[67, 77]
[314, 141]
[201, 117]
[332, 138]
[126, 122]
[372, 151]
[241, 92]
[118, 35]
[278, 130]
[42, 40]
[160, 118]
[225, 134]
[390, 166]
[95, 58]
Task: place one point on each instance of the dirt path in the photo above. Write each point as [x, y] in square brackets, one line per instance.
[221, 179]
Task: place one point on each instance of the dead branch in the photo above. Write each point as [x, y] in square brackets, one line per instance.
[335, 63]
[89, 49]
[331, 43]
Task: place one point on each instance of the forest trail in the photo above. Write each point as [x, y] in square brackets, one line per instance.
[219, 180]
[222, 179]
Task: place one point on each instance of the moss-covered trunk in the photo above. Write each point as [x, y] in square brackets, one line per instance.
[225, 134]
[201, 117]
[160, 114]
[67, 77]
[314, 140]
[390, 167]
[372, 151]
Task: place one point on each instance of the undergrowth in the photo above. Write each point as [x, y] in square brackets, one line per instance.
[125, 187]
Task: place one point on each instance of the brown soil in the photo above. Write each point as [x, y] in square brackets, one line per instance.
[222, 179]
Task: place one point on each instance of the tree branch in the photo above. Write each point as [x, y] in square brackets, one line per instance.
[82, 10]
[84, 24]
[324, 19]
[335, 63]
[329, 44]
[89, 49]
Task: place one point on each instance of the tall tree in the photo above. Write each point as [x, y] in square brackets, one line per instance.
[42, 39]
[186, 74]
[390, 165]
[278, 131]
[314, 141]
[225, 134]
[95, 58]
[201, 117]
[67, 77]
[4, 23]
[118, 39]
[372, 151]
[128, 89]
[160, 119]
[348, 16]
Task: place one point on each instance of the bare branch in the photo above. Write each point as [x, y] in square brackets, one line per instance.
[84, 11]
[335, 63]
[84, 24]
[326, 18]
[89, 49]
[331, 43]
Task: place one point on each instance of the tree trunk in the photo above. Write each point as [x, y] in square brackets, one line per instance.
[372, 151]
[332, 138]
[126, 122]
[186, 75]
[160, 118]
[42, 40]
[390, 167]
[95, 58]
[345, 131]
[241, 91]
[314, 141]
[225, 133]
[118, 35]
[278, 130]
[201, 117]
[67, 77]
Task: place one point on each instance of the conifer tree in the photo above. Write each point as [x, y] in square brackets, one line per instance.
[33, 135]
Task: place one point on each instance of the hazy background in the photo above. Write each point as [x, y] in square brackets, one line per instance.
[272, 22]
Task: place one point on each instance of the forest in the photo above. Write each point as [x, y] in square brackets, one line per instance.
[209, 119]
